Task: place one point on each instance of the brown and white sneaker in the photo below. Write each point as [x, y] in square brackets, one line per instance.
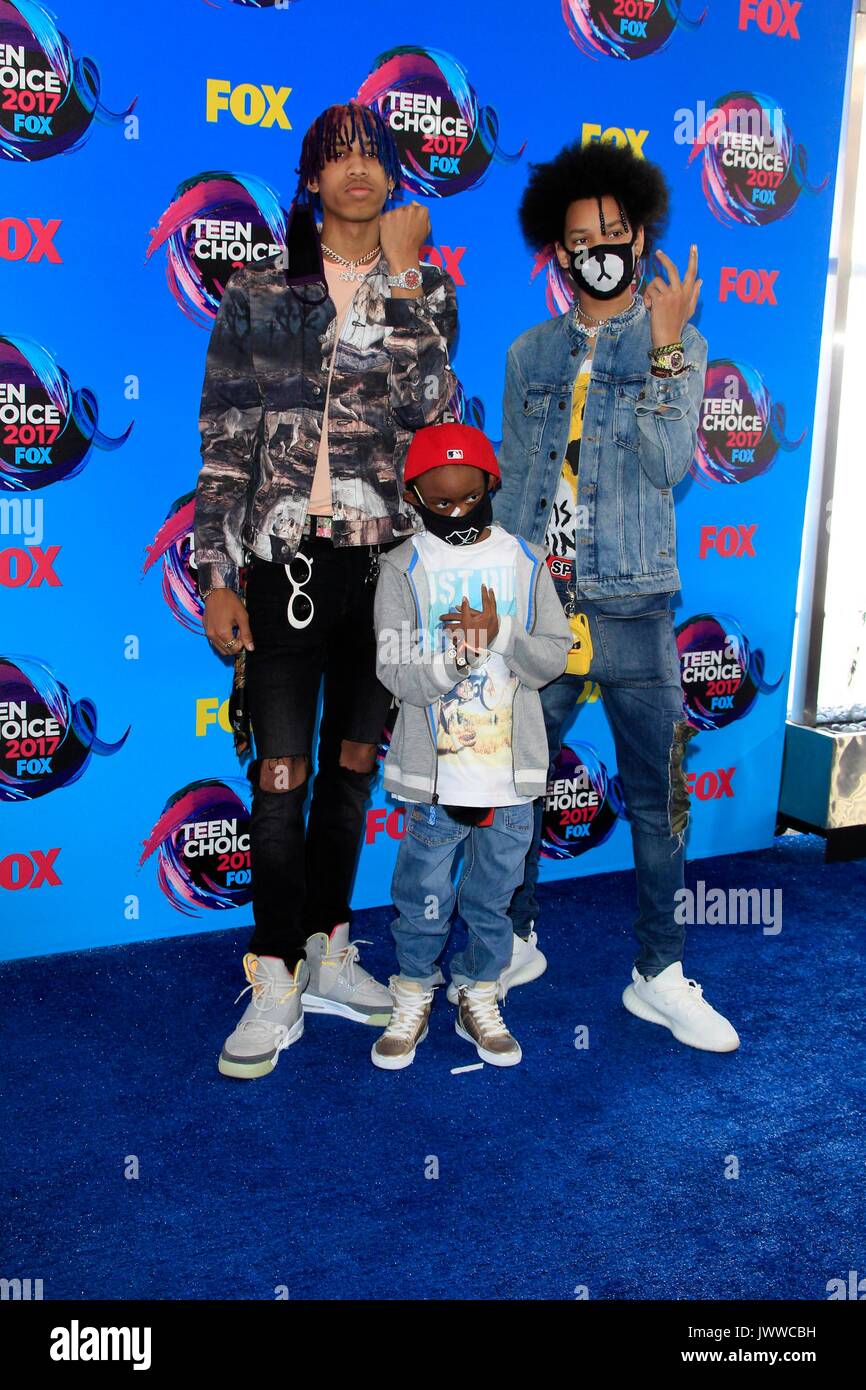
[407, 1028]
[480, 1022]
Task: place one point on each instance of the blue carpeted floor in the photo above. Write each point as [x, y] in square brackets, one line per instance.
[602, 1168]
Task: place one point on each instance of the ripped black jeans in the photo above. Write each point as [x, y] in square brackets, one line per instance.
[302, 874]
[636, 665]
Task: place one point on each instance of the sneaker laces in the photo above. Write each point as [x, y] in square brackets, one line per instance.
[349, 963]
[690, 992]
[485, 1010]
[407, 1012]
[267, 994]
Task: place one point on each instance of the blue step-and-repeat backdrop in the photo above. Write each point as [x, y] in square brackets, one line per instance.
[146, 149]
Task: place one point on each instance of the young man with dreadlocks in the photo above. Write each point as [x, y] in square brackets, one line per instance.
[317, 376]
[600, 419]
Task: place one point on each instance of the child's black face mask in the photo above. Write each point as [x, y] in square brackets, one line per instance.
[457, 530]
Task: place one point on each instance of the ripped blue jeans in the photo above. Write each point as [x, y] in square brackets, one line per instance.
[636, 665]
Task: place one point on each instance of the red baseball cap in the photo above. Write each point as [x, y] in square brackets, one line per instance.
[438, 445]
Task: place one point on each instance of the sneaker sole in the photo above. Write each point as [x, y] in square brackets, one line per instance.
[248, 1071]
[396, 1063]
[320, 1004]
[496, 1059]
[527, 973]
[641, 1009]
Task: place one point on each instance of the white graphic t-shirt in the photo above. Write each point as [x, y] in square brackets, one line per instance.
[473, 734]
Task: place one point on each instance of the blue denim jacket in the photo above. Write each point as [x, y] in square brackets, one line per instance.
[639, 434]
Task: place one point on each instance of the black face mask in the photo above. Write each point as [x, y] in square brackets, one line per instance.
[605, 270]
[457, 530]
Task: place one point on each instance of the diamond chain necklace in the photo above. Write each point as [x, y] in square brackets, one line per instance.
[583, 319]
[351, 271]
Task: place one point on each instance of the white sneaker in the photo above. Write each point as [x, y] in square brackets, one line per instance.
[678, 1003]
[407, 1028]
[527, 963]
[273, 1019]
[339, 984]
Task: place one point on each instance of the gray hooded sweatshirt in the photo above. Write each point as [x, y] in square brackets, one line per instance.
[534, 646]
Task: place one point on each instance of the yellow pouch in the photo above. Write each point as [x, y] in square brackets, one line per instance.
[580, 655]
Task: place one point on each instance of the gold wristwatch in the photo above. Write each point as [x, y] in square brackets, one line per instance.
[670, 359]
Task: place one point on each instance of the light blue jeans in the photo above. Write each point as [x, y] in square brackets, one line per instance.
[424, 893]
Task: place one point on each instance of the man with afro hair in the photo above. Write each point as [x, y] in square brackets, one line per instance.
[600, 417]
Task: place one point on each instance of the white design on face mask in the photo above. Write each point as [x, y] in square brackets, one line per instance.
[466, 537]
[600, 274]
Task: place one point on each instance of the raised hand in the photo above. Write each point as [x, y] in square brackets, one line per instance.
[477, 626]
[672, 302]
[402, 233]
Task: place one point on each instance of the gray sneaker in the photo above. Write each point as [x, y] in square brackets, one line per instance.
[274, 1017]
[339, 984]
[480, 1023]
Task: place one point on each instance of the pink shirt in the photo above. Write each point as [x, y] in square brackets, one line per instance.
[342, 292]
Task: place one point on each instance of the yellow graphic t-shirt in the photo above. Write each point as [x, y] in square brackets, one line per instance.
[560, 535]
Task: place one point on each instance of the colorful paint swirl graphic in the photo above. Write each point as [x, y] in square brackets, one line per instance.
[199, 264]
[201, 841]
[56, 115]
[740, 430]
[625, 28]
[722, 676]
[50, 428]
[46, 738]
[752, 173]
[447, 141]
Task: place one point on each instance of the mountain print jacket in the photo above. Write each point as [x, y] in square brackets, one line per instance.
[263, 402]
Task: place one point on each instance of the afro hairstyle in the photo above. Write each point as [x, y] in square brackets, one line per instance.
[591, 171]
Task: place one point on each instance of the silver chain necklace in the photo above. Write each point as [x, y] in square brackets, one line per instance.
[351, 271]
[582, 319]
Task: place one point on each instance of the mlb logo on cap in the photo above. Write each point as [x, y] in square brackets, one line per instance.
[438, 445]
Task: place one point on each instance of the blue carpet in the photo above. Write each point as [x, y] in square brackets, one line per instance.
[602, 1168]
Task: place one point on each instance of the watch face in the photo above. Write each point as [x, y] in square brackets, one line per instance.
[677, 360]
[411, 279]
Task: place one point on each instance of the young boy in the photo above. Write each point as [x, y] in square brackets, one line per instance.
[469, 627]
